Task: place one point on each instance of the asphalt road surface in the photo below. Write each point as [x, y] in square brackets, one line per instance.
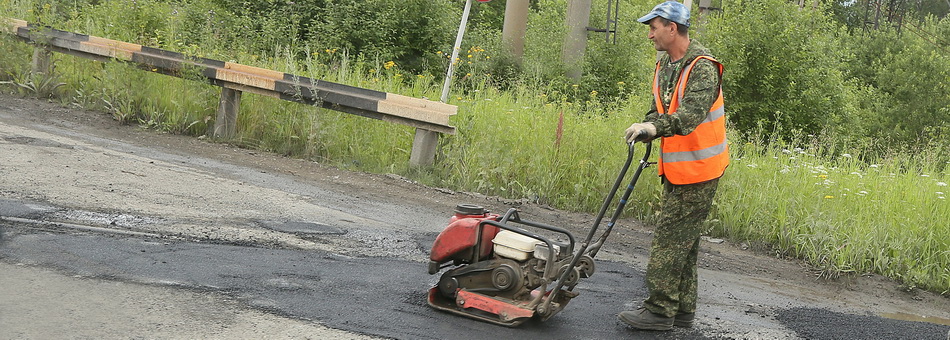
[111, 231]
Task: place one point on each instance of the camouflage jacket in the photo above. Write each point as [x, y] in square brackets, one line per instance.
[701, 91]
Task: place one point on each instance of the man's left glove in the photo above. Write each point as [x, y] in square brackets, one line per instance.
[640, 132]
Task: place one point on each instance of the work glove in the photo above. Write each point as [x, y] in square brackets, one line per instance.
[640, 132]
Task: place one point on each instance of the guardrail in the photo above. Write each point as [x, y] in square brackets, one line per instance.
[430, 118]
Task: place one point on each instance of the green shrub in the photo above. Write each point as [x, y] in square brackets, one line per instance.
[780, 73]
[911, 82]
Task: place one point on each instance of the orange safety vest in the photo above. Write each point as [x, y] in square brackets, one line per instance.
[701, 155]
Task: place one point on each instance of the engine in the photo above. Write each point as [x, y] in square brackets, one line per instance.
[509, 265]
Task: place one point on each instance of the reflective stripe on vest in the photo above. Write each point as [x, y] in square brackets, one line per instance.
[701, 155]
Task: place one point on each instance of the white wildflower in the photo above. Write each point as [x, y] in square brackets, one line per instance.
[786, 151]
[862, 192]
[873, 166]
[941, 184]
[846, 155]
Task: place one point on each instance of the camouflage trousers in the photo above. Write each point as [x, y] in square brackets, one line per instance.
[672, 273]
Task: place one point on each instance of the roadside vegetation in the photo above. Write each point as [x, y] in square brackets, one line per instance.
[839, 136]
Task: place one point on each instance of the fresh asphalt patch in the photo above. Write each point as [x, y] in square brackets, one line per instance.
[375, 295]
[813, 323]
[380, 296]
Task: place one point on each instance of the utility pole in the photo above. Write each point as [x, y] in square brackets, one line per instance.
[575, 42]
[516, 25]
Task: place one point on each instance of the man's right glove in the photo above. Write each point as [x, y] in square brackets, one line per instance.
[640, 132]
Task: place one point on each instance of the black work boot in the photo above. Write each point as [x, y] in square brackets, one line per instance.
[644, 319]
[684, 320]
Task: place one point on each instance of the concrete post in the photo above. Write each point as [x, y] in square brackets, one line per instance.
[225, 126]
[700, 16]
[704, 6]
[516, 25]
[424, 146]
[42, 60]
[575, 43]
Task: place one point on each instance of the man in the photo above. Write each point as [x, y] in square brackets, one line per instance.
[687, 113]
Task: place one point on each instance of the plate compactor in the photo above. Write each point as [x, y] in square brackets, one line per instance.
[504, 272]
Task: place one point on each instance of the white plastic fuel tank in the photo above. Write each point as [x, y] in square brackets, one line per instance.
[514, 246]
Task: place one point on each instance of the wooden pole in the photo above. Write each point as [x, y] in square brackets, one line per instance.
[42, 60]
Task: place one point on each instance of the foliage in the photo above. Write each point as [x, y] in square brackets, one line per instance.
[911, 102]
[39, 85]
[15, 60]
[787, 76]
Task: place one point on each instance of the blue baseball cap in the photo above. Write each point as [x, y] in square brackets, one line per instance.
[670, 10]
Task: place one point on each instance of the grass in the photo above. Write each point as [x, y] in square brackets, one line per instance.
[842, 211]
[843, 215]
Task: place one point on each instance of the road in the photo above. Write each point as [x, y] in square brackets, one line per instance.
[112, 231]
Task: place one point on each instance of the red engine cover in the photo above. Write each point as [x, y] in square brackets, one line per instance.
[456, 241]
